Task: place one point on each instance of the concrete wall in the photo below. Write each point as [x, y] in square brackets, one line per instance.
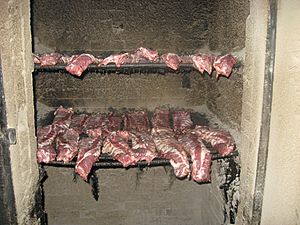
[97, 92]
[131, 197]
[281, 203]
[252, 104]
[15, 47]
[119, 25]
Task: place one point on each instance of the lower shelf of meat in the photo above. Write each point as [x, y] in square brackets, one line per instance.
[106, 161]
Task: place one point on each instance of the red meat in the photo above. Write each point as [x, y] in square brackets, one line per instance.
[160, 118]
[95, 124]
[143, 146]
[62, 119]
[79, 64]
[46, 153]
[67, 145]
[203, 63]
[224, 64]
[136, 120]
[172, 60]
[89, 152]
[182, 121]
[45, 138]
[116, 145]
[146, 53]
[220, 140]
[117, 59]
[200, 156]
[77, 122]
[50, 59]
[169, 148]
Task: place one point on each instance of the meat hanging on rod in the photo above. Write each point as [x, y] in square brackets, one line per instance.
[146, 53]
[182, 121]
[45, 138]
[161, 118]
[172, 60]
[143, 146]
[94, 125]
[116, 145]
[117, 59]
[224, 65]
[136, 120]
[77, 122]
[169, 148]
[62, 119]
[67, 145]
[200, 156]
[220, 140]
[49, 59]
[203, 62]
[89, 152]
[79, 64]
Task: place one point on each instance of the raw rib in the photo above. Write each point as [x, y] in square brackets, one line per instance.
[77, 122]
[171, 60]
[116, 145]
[62, 119]
[146, 53]
[161, 118]
[79, 64]
[67, 145]
[89, 152]
[203, 62]
[117, 59]
[94, 125]
[169, 148]
[220, 140]
[224, 64]
[182, 121]
[200, 156]
[45, 138]
[50, 59]
[143, 146]
[136, 120]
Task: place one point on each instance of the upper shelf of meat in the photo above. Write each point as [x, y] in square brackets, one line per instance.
[142, 60]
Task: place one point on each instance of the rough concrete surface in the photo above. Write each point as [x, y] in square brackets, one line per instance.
[281, 203]
[252, 104]
[15, 44]
[131, 197]
[116, 25]
[98, 92]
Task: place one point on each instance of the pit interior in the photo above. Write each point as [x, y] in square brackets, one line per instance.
[140, 196]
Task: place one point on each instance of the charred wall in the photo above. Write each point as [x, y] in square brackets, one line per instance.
[116, 25]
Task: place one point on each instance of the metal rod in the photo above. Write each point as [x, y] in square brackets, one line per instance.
[109, 162]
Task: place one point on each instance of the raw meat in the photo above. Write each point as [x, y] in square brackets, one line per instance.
[89, 152]
[171, 60]
[45, 138]
[77, 122]
[36, 59]
[114, 122]
[146, 53]
[169, 148]
[116, 145]
[50, 59]
[200, 156]
[220, 140]
[46, 153]
[67, 59]
[203, 62]
[224, 64]
[117, 59]
[79, 64]
[46, 135]
[95, 124]
[182, 121]
[62, 119]
[136, 120]
[161, 118]
[67, 145]
[143, 146]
